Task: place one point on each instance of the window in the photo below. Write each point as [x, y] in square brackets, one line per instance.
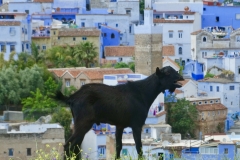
[59, 38]
[83, 24]
[112, 35]
[217, 19]
[204, 9]
[216, 101]
[205, 54]
[44, 47]
[74, 39]
[238, 38]
[10, 152]
[27, 46]
[101, 150]
[179, 34]
[231, 103]
[146, 130]
[211, 102]
[171, 156]
[130, 29]
[231, 87]
[204, 39]
[202, 54]
[217, 88]
[238, 70]
[67, 82]
[211, 88]
[170, 34]
[27, 11]
[186, 17]
[157, 17]
[82, 82]
[199, 102]
[105, 34]
[128, 11]
[124, 151]
[180, 50]
[225, 150]
[99, 25]
[15, 10]
[84, 38]
[22, 47]
[12, 31]
[54, 32]
[12, 48]
[3, 48]
[29, 151]
[116, 25]
[38, 47]
[205, 102]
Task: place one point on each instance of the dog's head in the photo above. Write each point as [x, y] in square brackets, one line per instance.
[169, 78]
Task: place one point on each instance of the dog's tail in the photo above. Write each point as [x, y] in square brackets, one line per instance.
[60, 97]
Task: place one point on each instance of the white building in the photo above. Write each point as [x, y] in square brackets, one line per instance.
[189, 89]
[225, 89]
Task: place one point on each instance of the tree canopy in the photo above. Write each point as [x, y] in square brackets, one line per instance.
[182, 116]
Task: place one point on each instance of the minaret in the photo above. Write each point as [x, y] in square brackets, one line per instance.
[148, 45]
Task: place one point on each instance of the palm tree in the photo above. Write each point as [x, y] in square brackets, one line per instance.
[36, 55]
[85, 52]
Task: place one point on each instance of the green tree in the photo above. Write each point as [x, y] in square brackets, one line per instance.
[141, 6]
[209, 75]
[69, 90]
[121, 65]
[9, 87]
[36, 55]
[50, 87]
[182, 116]
[38, 105]
[85, 53]
[63, 117]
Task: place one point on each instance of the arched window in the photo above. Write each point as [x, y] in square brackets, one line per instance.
[204, 39]
[180, 50]
[112, 35]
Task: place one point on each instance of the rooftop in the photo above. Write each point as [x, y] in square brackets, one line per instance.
[119, 51]
[79, 32]
[211, 107]
[168, 50]
[172, 21]
[217, 80]
[172, 61]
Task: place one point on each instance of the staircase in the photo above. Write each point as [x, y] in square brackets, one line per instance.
[235, 128]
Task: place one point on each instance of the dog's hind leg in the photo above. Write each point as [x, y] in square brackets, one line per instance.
[119, 132]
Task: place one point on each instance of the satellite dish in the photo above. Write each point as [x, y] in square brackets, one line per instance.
[165, 143]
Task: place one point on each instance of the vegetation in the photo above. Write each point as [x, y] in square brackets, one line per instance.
[182, 116]
[130, 65]
[141, 6]
[209, 75]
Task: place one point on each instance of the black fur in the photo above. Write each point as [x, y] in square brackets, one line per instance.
[123, 105]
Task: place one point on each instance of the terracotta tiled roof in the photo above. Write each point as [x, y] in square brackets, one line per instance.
[10, 23]
[44, 1]
[72, 32]
[171, 21]
[105, 61]
[196, 32]
[177, 91]
[161, 114]
[98, 74]
[189, 13]
[172, 61]
[119, 51]
[168, 50]
[211, 107]
[58, 72]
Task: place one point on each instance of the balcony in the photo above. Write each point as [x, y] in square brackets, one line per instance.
[41, 32]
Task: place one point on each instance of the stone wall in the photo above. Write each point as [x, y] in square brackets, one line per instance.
[12, 116]
[148, 53]
[110, 146]
[19, 142]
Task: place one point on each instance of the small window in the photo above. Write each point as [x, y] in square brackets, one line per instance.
[59, 38]
[204, 39]
[15, 10]
[238, 38]
[211, 88]
[125, 151]
[217, 19]
[74, 39]
[10, 152]
[200, 102]
[67, 82]
[38, 47]
[84, 38]
[116, 25]
[231, 103]
[12, 48]
[225, 150]
[3, 48]
[105, 34]
[204, 9]
[128, 11]
[112, 35]
[238, 70]
[217, 88]
[146, 130]
[194, 103]
[170, 34]
[29, 151]
[27, 11]
[211, 102]
[157, 17]
[44, 47]
[82, 82]
[180, 50]
[205, 102]
[101, 150]
[130, 28]
[27, 46]
[231, 87]
[202, 54]
[83, 24]
[54, 32]
[179, 34]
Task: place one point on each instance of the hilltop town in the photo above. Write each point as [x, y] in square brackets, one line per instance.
[46, 45]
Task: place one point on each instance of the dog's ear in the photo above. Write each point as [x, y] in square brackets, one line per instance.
[159, 72]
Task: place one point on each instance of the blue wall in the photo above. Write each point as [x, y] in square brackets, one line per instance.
[0, 2]
[226, 14]
[107, 39]
[231, 150]
[195, 68]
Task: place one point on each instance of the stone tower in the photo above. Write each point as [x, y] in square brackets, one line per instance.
[148, 45]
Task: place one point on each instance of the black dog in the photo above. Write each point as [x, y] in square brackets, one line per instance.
[125, 105]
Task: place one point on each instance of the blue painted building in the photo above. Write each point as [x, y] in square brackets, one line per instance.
[194, 70]
[109, 37]
[221, 16]
[216, 151]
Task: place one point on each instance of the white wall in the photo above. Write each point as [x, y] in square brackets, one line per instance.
[90, 141]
